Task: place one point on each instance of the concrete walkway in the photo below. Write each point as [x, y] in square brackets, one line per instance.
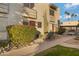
[36, 48]
[70, 45]
[49, 44]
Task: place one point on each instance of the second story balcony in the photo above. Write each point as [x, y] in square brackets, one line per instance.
[52, 9]
[29, 12]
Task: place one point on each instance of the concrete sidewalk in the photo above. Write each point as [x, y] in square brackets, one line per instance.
[49, 44]
[70, 45]
[36, 48]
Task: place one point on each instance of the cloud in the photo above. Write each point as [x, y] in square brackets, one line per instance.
[75, 4]
[60, 17]
[69, 5]
[67, 16]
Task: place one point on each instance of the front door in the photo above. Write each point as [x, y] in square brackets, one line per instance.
[52, 27]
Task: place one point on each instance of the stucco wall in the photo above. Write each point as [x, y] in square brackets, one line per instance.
[42, 11]
[10, 19]
[54, 20]
[43, 16]
[13, 17]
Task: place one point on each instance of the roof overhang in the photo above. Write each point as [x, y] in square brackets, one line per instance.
[70, 26]
[52, 6]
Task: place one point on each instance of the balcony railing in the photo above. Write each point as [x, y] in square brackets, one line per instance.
[29, 13]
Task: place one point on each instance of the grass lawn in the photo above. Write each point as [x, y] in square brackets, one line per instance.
[59, 51]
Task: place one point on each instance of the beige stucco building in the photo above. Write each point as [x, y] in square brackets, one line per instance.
[70, 25]
[42, 16]
[46, 17]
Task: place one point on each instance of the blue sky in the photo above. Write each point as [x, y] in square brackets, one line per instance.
[70, 7]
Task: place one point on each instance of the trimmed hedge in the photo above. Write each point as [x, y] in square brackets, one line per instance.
[21, 35]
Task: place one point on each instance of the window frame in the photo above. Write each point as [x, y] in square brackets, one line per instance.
[39, 24]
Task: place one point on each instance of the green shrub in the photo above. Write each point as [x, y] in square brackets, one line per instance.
[4, 43]
[61, 30]
[21, 35]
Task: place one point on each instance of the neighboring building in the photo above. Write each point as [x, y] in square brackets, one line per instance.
[43, 16]
[70, 25]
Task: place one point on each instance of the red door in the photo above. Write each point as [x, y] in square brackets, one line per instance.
[32, 23]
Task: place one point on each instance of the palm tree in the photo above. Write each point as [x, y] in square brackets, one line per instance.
[76, 15]
[72, 15]
[68, 14]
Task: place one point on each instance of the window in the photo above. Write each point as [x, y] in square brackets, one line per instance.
[25, 23]
[29, 5]
[51, 12]
[39, 24]
[32, 23]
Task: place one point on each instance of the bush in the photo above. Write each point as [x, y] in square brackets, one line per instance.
[3, 43]
[21, 35]
[61, 30]
[50, 36]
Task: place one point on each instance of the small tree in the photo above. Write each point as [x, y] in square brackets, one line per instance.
[61, 30]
